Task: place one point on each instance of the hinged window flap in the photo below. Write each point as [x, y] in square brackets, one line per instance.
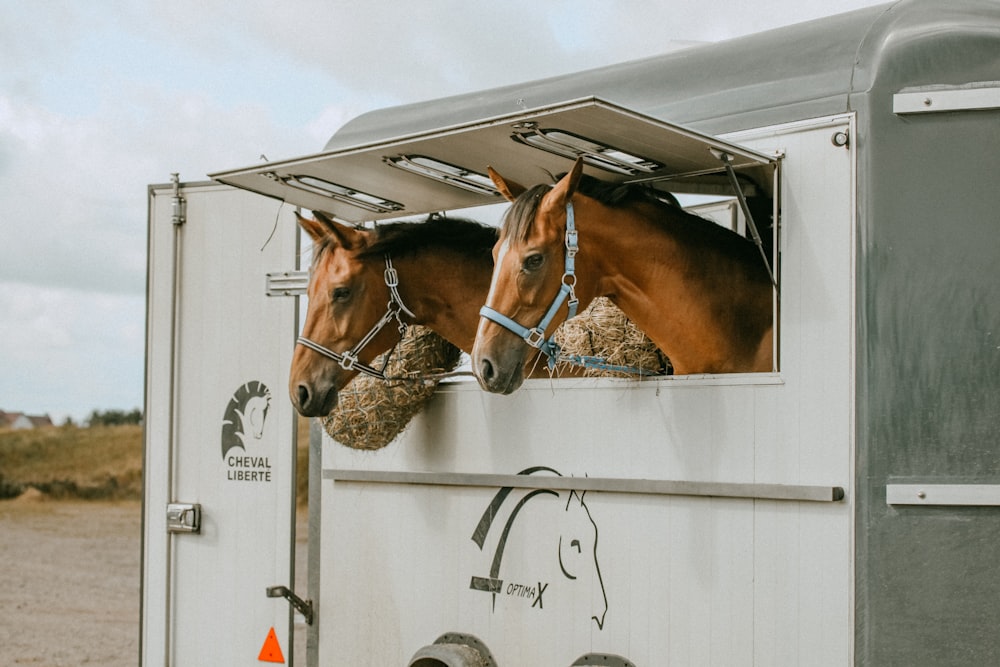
[443, 169]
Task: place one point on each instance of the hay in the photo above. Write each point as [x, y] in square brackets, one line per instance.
[604, 331]
[370, 413]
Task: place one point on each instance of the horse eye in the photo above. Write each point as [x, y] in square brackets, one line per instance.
[341, 294]
[533, 262]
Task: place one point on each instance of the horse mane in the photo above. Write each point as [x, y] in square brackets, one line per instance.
[520, 216]
[466, 237]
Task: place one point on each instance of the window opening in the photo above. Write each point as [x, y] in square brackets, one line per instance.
[343, 194]
[568, 144]
[444, 172]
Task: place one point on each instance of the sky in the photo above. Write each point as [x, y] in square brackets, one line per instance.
[100, 99]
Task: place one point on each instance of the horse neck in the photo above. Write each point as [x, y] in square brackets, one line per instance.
[622, 255]
[445, 291]
[644, 266]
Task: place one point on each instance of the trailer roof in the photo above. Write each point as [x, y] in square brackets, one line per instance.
[634, 110]
[662, 111]
[805, 69]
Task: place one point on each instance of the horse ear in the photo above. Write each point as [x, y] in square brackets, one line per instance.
[314, 228]
[562, 192]
[324, 227]
[567, 184]
[509, 189]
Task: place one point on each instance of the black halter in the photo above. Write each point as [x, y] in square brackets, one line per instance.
[349, 360]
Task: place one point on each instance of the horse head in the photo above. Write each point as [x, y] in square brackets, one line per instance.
[347, 295]
[528, 269]
[253, 415]
[578, 552]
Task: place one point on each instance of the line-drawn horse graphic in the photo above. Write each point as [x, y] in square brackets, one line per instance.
[245, 415]
[576, 546]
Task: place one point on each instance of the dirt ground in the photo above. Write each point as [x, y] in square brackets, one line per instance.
[69, 583]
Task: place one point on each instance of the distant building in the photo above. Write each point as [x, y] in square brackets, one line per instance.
[19, 420]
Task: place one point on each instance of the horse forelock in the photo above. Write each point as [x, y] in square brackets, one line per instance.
[318, 249]
[519, 218]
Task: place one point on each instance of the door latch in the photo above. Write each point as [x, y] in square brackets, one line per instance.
[304, 607]
[183, 518]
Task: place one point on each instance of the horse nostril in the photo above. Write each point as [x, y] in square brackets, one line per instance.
[486, 370]
[303, 395]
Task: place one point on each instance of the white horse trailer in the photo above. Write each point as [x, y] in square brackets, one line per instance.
[839, 510]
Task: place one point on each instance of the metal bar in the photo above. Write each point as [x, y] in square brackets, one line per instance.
[178, 221]
[971, 495]
[304, 607]
[811, 493]
[735, 182]
[973, 97]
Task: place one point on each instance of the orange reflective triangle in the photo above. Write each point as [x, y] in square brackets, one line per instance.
[271, 650]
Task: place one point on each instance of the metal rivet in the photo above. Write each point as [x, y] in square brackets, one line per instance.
[840, 138]
[928, 102]
[921, 495]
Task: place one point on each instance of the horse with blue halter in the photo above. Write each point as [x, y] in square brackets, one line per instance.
[367, 285]
[699, 291]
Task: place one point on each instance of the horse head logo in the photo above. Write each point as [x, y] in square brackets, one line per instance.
[245, 416]
[578, 549]
[576, 545]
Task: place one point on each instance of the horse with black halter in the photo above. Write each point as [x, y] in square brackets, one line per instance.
[365, 286]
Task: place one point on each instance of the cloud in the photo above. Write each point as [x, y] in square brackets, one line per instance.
[97, 103]
[67, 353]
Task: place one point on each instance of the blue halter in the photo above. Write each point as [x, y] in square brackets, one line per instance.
[567, 292]
[535, 337]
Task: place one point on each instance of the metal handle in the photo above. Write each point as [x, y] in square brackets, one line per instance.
[183, 518]
[304, 607]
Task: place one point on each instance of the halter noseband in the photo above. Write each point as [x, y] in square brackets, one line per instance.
[349, 360]
[535, 337]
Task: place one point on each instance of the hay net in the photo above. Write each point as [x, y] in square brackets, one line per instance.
[605, 332]
[370, 413]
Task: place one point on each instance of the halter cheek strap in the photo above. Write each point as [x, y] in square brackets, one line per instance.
[535, 336]
[349, 360]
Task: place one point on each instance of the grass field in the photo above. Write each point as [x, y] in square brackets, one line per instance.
[102, 462]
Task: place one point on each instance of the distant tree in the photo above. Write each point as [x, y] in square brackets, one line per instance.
[68, 422]
[114, 417]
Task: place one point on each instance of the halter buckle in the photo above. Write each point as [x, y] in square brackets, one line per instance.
[534, 337]
[347, 361]
[571, 243]
[391, 277]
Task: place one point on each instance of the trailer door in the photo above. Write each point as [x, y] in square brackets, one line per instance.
[219, 497]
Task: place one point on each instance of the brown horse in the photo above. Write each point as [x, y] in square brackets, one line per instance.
[700, 292]
[442, 266]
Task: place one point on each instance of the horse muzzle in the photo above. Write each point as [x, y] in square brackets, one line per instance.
[312, 399]
[499, 374]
